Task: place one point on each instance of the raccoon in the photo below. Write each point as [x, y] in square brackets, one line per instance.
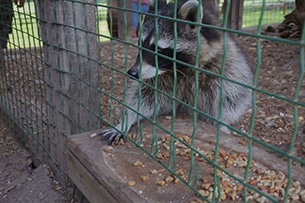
[149, 69]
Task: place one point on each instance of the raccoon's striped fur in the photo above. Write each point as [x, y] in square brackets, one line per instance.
[183, 43]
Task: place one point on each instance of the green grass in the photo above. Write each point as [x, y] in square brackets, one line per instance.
[25, 28]
[251, 17]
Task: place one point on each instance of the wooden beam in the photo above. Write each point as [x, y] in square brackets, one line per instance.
[94, 190]
[235, 14]
[103, 175]
[90, 172]
[124, 20]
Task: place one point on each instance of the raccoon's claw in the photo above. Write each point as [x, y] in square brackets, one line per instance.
[112, 136]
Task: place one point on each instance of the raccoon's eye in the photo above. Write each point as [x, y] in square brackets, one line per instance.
[160, 50]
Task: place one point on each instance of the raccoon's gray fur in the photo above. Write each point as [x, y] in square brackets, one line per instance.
[211, 51]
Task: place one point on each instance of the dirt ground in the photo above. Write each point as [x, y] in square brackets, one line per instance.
[274, 121]
[278, 74]
[22, 178]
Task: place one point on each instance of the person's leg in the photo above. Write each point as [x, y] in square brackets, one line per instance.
[6, 18]
[144, 8]
[135, 18]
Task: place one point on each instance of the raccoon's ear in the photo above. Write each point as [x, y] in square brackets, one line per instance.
[188, 11]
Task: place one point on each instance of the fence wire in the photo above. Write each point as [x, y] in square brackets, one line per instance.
[274, 11]
[64, 57]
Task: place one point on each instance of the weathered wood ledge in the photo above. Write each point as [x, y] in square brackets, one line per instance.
[103, 176]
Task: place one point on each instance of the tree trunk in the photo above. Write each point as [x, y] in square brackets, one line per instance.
[297, 16]
[293, 23]
[116, 17]
[112, 19]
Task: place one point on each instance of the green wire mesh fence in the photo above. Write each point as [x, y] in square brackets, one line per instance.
[64, 71]
[274, 11]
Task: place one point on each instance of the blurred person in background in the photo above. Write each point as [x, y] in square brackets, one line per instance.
[6, 19]
[144, 7]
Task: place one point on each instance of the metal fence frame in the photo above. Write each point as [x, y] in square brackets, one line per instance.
[65, 68]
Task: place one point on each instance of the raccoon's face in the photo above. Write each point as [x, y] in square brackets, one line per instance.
[161, 44]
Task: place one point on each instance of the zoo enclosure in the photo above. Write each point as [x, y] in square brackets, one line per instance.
[50, 82]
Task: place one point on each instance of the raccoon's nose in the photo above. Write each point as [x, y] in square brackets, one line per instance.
[133, 73]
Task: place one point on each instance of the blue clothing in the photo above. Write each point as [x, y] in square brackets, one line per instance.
[135, 15]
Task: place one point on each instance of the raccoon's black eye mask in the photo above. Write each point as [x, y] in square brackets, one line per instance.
[167, 52]
[163, 63]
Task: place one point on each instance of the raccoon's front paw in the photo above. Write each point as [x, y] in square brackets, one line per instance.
[112, 136]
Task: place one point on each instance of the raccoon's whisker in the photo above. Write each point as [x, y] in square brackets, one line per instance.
[164, 65]
[179, 71]
[182, 73]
